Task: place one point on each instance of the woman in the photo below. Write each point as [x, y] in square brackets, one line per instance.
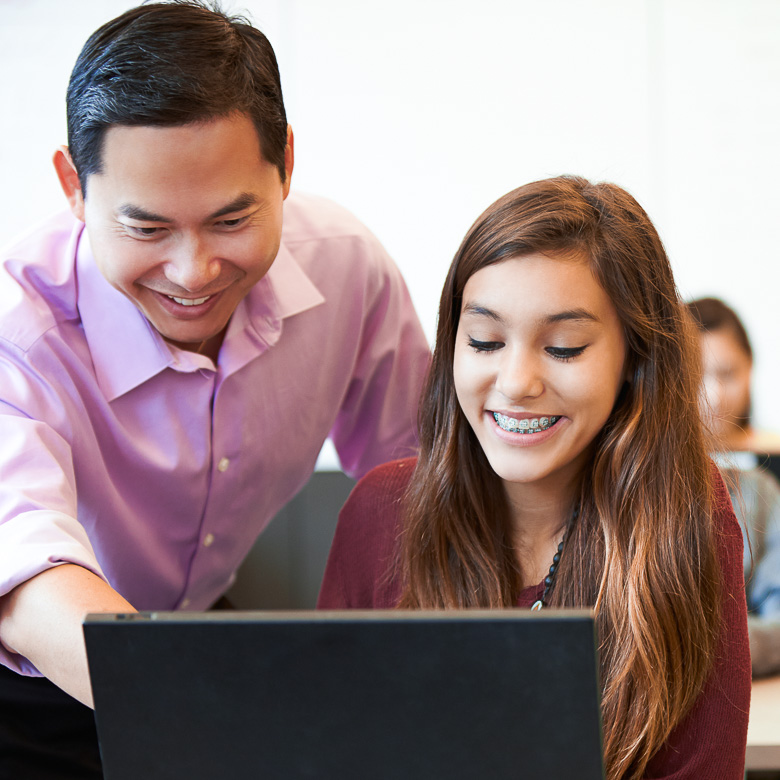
[727, 360]
[560, 433]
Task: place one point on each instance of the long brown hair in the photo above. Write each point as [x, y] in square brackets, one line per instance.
[643, 550]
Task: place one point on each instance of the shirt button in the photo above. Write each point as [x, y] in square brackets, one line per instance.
[208, 540]
[185, 603]
[223, 464]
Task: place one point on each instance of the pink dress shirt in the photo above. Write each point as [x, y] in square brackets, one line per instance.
[153, 467]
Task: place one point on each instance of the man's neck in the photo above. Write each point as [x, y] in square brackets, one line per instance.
[210, 347]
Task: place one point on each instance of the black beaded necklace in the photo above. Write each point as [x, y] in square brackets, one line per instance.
[550, 578]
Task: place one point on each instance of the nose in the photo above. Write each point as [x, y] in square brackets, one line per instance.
[519, 375]
[192, 266]
[713, 394]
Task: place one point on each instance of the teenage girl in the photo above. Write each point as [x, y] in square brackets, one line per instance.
[563, 463]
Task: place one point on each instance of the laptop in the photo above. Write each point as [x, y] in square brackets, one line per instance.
[367, 695]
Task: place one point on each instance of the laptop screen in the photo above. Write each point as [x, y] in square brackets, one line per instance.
[380, 694]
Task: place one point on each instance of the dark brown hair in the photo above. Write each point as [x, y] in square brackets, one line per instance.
[711, 314]
[643, 550]
[170, 64]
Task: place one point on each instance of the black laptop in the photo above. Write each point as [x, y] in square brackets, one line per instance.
[343, 695]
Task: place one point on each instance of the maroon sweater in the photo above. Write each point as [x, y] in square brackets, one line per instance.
[708, 744]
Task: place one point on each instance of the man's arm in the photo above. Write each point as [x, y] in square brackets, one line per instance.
[378, 418]
[41, 619]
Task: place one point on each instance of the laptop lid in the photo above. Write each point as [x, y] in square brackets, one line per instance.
[379, 694]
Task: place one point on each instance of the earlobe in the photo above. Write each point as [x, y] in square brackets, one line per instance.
[289, 159]
[69, 181]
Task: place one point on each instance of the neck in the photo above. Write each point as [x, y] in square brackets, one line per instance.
[539, 514]
[209, 347]
[539, 510]
[736, 438]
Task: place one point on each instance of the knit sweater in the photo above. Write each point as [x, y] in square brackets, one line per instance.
[710, 740]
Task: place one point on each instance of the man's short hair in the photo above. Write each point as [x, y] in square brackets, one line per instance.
[171, 64]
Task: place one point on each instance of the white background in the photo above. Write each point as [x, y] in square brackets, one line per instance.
[419, 113]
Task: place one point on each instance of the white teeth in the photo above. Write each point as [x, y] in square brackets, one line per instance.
[534, 425]
[189, 301]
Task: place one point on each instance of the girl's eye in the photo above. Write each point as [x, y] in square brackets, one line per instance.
[484, 346]
[565, 353]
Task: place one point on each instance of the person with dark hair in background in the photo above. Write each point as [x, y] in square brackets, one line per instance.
[169, 373]
[727, 362]
[563, 463]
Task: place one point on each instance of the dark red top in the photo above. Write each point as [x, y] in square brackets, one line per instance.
[708, 744]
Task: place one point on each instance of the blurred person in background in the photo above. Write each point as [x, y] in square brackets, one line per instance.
[727, 362]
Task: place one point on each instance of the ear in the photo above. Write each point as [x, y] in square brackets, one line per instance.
[289, 159]
[69, 181]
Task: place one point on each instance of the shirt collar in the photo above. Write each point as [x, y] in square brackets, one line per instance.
[256, 324]
[127, 351]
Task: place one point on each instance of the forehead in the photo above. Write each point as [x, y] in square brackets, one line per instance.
[532, 289]
[721, 347]
[159, 141]
[180, 163]
[184, 154]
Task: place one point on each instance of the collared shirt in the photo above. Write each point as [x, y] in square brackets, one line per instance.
[153, 467]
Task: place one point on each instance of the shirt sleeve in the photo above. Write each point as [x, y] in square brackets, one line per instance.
[765, 581]
[38, 509]
[710, 741]
[377, 420]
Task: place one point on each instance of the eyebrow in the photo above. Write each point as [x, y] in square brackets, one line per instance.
[239, 203]
[570, 315]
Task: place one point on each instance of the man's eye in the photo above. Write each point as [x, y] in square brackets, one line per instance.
[485, 346]
[229, 223]
[143, 232]
[565, 353]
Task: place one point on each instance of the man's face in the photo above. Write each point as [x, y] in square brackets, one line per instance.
[185, 220]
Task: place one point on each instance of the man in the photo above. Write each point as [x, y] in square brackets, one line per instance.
[169, 374]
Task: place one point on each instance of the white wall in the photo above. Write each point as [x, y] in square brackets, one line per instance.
[418, 114]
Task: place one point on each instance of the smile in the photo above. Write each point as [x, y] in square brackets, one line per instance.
[533, 425]
[189, 301]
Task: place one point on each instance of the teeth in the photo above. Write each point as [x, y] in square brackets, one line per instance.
[534, 425]
[189, 301]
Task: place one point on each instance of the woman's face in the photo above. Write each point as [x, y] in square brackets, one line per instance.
[727, 369]
[540, 357]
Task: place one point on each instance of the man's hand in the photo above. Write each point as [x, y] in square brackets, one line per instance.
[41, 619]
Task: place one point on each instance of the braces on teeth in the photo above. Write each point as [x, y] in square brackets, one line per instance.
[535, 425]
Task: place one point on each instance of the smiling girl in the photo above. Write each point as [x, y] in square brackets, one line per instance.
[563, 464]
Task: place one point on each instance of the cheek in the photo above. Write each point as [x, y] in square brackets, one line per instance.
[469, 380]
[460, 378]
[596, 390]
[252, 255]
[123, 269]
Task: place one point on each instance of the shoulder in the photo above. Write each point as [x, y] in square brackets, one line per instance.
[764, 483]
[726, 525]
[38, 288]
[317, 229]
[362, 566]
[310, 217]
[378, 495]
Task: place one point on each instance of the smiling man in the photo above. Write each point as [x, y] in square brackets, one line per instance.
[173, 353]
